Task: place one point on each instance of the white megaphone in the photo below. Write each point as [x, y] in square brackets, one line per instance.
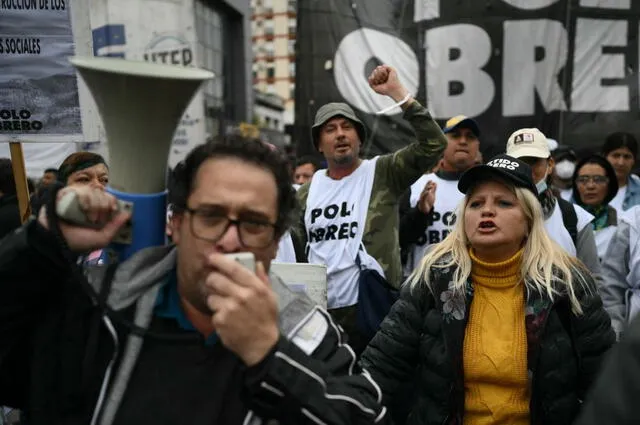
[141, 105]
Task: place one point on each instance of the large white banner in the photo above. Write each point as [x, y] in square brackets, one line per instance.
[161, 31]
[38, 86]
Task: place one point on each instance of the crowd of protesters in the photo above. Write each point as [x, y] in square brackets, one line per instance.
[461, 289]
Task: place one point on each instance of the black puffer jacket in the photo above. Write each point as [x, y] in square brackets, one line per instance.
[422, 339]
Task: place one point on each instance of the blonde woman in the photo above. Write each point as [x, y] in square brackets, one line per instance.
[498, 325]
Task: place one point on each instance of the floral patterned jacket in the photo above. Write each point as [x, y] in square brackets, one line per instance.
[421, 342]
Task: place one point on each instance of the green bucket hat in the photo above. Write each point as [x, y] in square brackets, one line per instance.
[332, 110]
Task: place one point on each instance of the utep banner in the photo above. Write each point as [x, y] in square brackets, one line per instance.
[155, 31]
[568, 67]
[38, 86]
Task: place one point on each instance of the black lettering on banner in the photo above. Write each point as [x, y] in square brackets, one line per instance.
[564, 35]
[180, 56]
[175, 57]
[57, 4]
[11, 114]
[331, 232]
[18, 120]
[21, 46]
[1, 46]
[21, 4]
[187, 57]
[354, 229]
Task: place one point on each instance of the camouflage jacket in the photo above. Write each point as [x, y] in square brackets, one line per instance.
[394, 174]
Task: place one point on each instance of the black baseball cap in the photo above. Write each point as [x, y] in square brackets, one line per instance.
[504, 166]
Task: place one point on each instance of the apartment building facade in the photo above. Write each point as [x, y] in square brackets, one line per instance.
[273, 26]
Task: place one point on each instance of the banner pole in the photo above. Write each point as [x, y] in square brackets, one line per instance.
[20, 176]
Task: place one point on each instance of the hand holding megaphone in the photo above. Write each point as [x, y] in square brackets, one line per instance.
[90, 217]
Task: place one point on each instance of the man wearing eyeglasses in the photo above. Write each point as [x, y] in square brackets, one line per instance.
[187, 335]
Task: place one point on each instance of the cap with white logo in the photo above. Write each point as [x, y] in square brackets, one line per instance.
[503, 166]
[528, 142]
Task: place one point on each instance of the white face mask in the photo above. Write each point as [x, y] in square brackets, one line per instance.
[541, 186]
[565, 169]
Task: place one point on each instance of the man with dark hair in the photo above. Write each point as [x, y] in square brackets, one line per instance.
[49, 176]
[350, 220]
[176, 334]
[9, 208]
[305, 167]
[427, 209]
[38, 197]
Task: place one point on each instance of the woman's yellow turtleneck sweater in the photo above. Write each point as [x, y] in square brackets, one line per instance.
[495, 346]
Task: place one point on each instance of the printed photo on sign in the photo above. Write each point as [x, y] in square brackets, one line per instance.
[38, 86]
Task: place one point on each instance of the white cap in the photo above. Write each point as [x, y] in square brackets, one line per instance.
[528, 142]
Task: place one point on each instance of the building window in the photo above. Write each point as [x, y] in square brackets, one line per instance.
[275, 123]
[271, 72]
[291, 47]
[292, 69]
[268, 49]
[292, 91]
[268, 28]
[271, 89]
[216, 31]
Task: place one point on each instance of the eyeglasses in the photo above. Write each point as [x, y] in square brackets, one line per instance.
[595, 179]
[211, 225]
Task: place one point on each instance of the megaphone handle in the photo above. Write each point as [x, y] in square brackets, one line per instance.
[68, 209]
